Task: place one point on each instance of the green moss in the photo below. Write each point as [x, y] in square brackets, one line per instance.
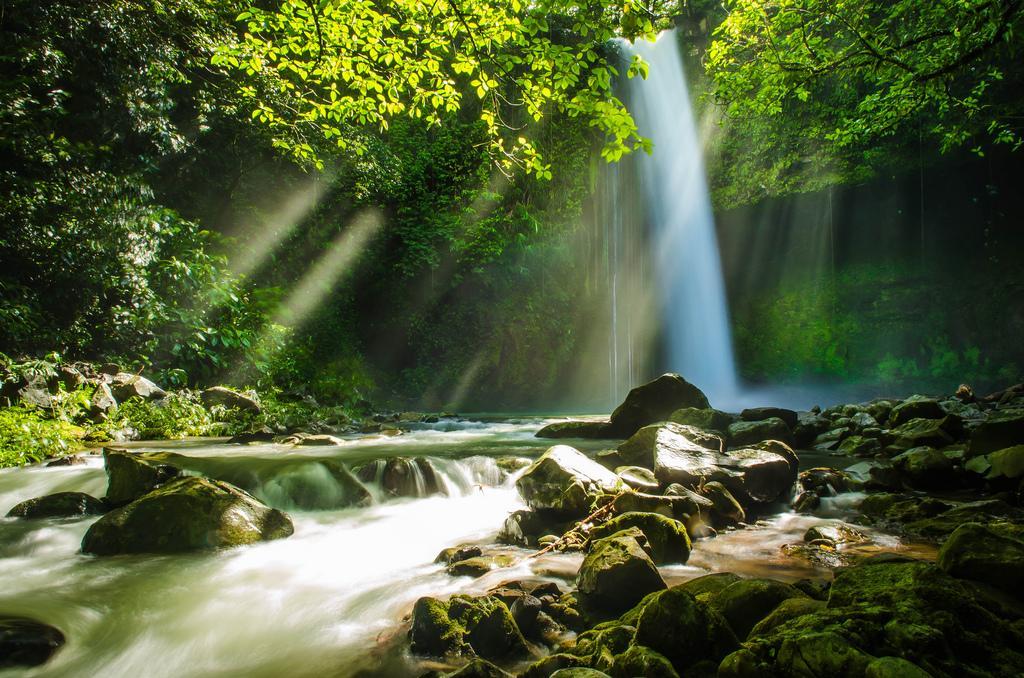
[666, 537]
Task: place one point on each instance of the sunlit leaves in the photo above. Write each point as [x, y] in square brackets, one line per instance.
[336, 65]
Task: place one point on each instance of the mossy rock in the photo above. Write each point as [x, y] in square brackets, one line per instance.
[655, 401]
[59, 505]
[564, 481]
[704, 418]
[466, 625]
[666, 537]
[479, 668]
[642, 661]
[981, 553]
[577, 429]
[926, 433]
[812, 655]
[786, 611]
[1002, 429]
[746, 602]
[683, 629]
[726, 509]
[129, 476]
[915, 407]
[703, 588]
[616, 574]
[581, 672]
[750, 432]
[894, 667]
[187, 514]
[1006, 463]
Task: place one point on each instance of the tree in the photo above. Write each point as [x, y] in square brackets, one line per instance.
[342, 68]
[855, 72]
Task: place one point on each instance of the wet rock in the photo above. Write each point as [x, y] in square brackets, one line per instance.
[125, 386]
[820, 553]
[454, 554]
[984, 554]
[750, 432]
[831, 439]
[616, 574]
[59, 505]
[526, 527]
[707, 419]
[187, 514]
[762, 413]
[808, 427]
[688, 456]
[264, 435]
[667, 538]
[654, 402]
[915, 407]
[925, 468]
[565, 481]
[746, 602]
[637, 477]
[512, 465]
[1006, 463]
[726, 510]
[26, 642]
[1002, 429]
[670, 505]
[70, 460]
[464, 625]
[526, 611]
[821, 654]
[683, 629]
[403, 477]
[231, 399]
[837, 534]
[129, 476]
[577, 429]
[313, 440]
[945, 522]
[478, 566]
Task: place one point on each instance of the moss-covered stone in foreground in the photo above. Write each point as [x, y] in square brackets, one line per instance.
[188, 514]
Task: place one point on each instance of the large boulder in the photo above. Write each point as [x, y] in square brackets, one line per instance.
[667, 538]
[464, 626]
[616, 574]
[187, 514]
[750, 432]
[27, 642]
[746, 602]
[221, 395]
[688, 456]
[655, 401]
[991, 556]
[565, 482]
[685, 630]
[577, 429]
[59, 505]
[125, 385]
[129, 476]
[915, 407]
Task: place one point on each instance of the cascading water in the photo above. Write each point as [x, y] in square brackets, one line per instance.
[693, 307]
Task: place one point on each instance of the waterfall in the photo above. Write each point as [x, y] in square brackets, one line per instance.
[692, 304]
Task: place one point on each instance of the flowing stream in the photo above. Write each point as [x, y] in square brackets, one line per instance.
[327, 601]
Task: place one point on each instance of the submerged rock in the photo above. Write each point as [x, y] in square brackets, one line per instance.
[187, 514]
[667, 538]
[403, 477]
[655, 401]
[565, 482]
[616, 574]
[60, 505]
[26, 642]
[129, 476]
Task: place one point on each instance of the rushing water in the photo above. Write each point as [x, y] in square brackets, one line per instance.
[327, 601]
[694, 310]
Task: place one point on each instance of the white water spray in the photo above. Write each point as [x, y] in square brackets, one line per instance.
[689, 272]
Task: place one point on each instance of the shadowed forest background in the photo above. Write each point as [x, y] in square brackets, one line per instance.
[149, 219]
